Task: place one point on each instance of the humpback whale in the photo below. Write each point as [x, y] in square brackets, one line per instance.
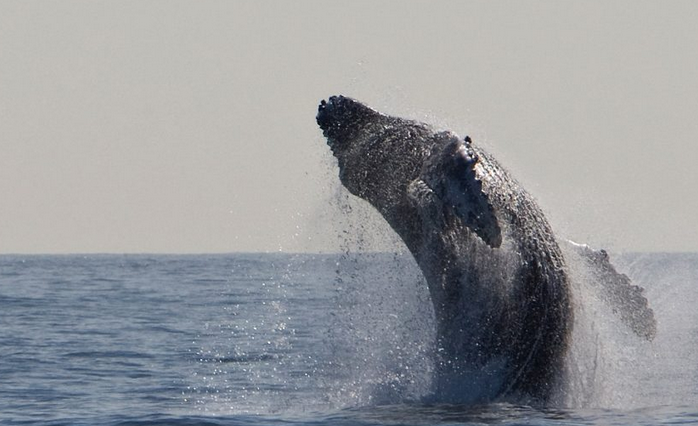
[496, 274]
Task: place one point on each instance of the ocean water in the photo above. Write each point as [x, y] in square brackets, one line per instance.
[287, 339]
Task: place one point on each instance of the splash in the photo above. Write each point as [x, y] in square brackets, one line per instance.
[601, 345]
[383, 333]
[387, 328]
[609, 366]
[386, 325]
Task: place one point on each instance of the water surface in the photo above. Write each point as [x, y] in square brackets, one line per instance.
[297, 339]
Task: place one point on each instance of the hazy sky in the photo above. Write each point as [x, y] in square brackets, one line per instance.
[166, 126]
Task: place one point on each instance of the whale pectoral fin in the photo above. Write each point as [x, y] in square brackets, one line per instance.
[463, 192]
[626, 299]
[449, 186]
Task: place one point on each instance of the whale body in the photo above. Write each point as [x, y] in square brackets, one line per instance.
[497, 277]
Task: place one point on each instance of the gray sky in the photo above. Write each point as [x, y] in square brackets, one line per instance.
[169, 126]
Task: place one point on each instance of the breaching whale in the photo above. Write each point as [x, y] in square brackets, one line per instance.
[497, 277]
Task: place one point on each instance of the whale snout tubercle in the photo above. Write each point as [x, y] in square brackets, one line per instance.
[340, 112]
[326, 114]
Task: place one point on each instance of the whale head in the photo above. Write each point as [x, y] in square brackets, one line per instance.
[382, 157]
[376, 157]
